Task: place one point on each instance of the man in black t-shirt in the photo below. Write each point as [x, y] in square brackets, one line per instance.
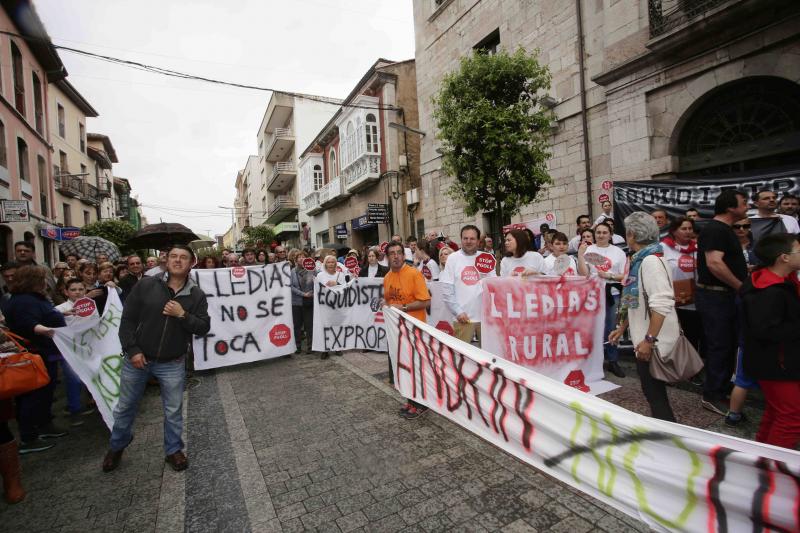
[721, 269]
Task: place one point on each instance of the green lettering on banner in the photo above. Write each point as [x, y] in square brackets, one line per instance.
[606, 486]
[108, 379]
[641, 496]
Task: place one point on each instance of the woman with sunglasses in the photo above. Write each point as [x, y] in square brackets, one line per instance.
[742, 230]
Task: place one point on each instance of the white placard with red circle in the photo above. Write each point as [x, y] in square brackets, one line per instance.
[485, 263]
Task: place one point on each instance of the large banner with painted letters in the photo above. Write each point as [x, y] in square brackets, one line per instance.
[673, 477]
[349, 317]
[251, 315]
[551, 325]
[90, 344]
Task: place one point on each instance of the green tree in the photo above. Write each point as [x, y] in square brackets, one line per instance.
[117, 231]
[257, 235]
[494, 131]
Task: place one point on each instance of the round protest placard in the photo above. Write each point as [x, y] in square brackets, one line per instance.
[470, 275]
[237, 272]
[602, 198]
[485, 263]
[383, 246]
[351, 263]
[561, 265]
[84, 307]
[279, 335]
[594, 259]
[309, 264]
[607, 185]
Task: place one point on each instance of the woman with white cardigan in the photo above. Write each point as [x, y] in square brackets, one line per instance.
[648, 307]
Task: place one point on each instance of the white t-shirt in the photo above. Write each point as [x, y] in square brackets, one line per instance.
[460, 272]
[430, 270]
[602, 218]
[618, 239]
[550, 263]
[789, 222]
[324, 277]
[409, 255]
[66, 306]
[515, 266]
[615, 259]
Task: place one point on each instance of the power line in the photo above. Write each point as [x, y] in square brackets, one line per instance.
[177, 74]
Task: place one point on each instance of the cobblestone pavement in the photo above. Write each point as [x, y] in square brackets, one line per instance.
[301, 444]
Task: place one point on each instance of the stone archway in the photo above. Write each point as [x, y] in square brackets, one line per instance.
[746, 125]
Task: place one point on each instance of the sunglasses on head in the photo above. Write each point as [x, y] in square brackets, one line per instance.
[742, 226]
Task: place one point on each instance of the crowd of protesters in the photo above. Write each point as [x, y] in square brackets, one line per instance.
[735, 297]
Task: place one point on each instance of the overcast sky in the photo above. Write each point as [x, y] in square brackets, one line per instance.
[179, 142]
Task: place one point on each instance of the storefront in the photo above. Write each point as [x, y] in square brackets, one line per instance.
[365, 233]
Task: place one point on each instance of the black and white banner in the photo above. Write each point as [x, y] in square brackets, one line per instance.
[349, 317]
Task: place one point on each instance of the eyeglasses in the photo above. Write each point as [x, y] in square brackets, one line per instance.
[742, 226]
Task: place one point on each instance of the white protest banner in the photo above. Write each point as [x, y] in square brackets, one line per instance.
[348, 317]
[550, 324]
[90, 344]
[673, 477]
[440, 315]
[251, 315]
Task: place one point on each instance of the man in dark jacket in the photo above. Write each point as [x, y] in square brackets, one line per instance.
[158, 321]
[772, 337]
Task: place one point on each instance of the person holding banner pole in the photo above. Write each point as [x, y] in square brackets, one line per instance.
[647, 305]
[330, 276]
[404, 288]
[303, 300]
[462, 288]
[158, 321]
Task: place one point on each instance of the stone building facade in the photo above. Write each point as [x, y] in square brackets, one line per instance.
[363, 156]
[642, 89]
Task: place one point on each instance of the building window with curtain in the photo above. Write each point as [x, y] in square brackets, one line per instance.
[332, 170]
[22, 154]
[62, 125]
[371, 131]
[19, 81]
[318, 178]
[41, 167]
[38, 108]
[3, 152]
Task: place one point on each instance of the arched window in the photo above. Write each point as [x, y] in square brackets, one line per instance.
[3, 151]
[22, 160]
[359, 138]
[744, 125]
[372, 134]
[19, 82]
[318, 181]
[332, 164]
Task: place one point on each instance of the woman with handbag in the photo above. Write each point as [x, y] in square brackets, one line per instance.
[30, 314]
[648, 307]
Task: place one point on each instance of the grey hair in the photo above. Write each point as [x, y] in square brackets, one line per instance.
[642, 227]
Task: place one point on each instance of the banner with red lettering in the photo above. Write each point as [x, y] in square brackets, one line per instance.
[672, 477]
[549, 324]
[439, 315]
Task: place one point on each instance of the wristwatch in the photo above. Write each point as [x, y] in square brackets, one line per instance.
[651, 339]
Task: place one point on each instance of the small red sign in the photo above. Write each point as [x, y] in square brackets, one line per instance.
[576, 380]
[686, 263]
[84, 307]
[602, 198]
[518, 271]
[550, 217]
[237, 272]
[470, 275]
[485, 262]
[445, 326]
[607, 185]
[383, 246]
[351, 262]
[309, 264]
[356, 270]
[280, 335]
[426, 272]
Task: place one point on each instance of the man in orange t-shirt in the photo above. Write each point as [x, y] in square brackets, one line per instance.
[405, 288]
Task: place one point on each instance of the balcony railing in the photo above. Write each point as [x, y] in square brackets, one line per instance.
[283, 201]
[666, 15]
[69, 185]
[90, 194]
[104, 191]
[280, 172]
[282, 139]
[362, 172]
[332, 192]
[310, 203]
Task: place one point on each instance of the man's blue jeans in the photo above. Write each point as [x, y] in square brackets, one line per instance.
[720, 323]
[170, 376]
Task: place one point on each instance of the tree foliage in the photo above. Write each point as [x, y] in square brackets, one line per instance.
[117, 231]
[494, 131]
[257, 235]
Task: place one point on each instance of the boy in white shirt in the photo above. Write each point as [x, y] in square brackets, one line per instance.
[559, 247]
[74, 291]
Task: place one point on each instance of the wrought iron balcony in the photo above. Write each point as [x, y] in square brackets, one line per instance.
[71, 186]
[90, 194]
[104, 191]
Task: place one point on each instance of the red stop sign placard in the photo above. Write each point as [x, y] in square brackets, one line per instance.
[383, 246]
[309, 263]
[84, 307]
[351, 262]
[237, 272]
[602, 198]
[607, 185]
[485, 263]
[445, 326]
[279, 335]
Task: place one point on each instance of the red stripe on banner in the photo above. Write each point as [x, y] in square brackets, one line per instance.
[768, 495]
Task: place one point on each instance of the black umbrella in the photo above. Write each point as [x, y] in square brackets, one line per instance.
[162, 235]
